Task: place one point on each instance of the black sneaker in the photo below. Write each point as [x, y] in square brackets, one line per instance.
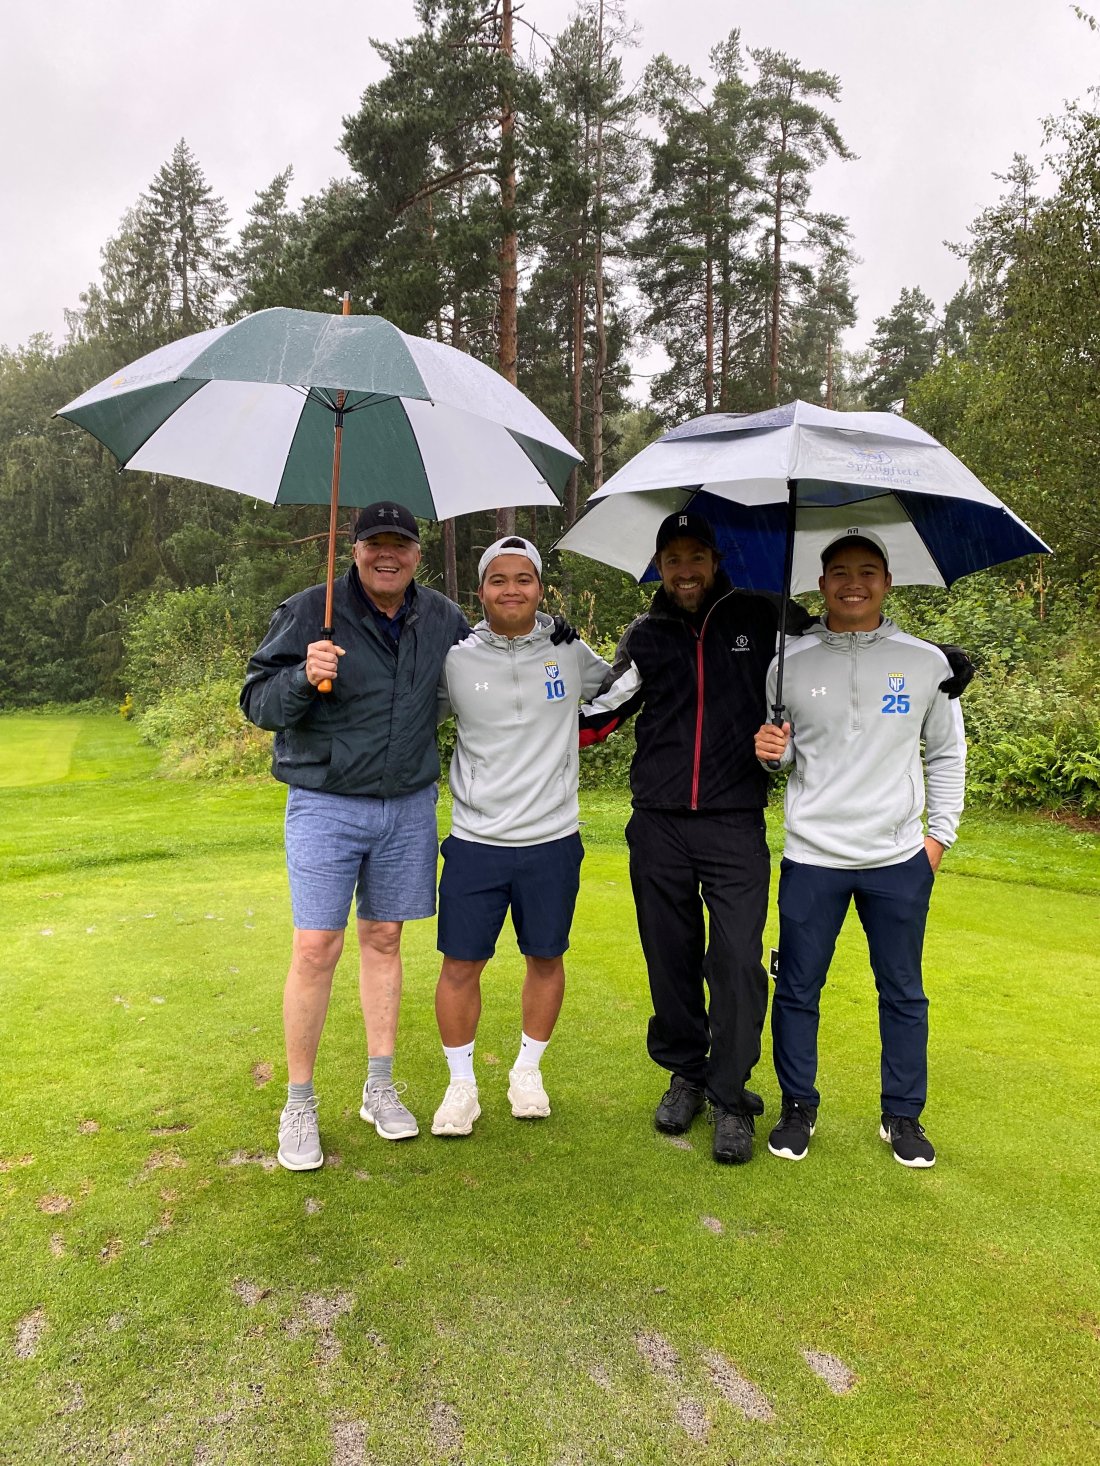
[791, 1137]
[733, 1135]
[906, 1134]
[679, 1105]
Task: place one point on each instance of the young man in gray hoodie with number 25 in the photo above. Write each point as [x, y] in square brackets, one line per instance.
[863, 698]
[514, 837]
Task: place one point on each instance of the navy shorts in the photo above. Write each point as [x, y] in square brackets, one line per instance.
[480, 882]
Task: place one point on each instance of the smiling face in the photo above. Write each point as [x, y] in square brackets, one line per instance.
[510, 595]
[687, 568]
[386, 564]
[854, 582]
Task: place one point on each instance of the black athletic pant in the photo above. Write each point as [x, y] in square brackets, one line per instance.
[679, 864]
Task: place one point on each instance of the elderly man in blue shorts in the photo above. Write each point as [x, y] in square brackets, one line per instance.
[362, 765]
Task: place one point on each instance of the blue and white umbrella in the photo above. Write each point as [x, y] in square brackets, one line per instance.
[872, 470]
[778, 485]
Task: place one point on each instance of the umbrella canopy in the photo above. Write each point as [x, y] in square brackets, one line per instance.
[250, 407]
[841, 470]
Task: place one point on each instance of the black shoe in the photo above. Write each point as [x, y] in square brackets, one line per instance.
[733, 1135]
[906, 1134]
[680, 1104]
[791, 1137]
[753, 1103]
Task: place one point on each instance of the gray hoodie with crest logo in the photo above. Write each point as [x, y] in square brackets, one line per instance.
[872, 737]
[516, 764]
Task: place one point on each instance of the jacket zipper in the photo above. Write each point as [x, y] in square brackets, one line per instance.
[699, 702]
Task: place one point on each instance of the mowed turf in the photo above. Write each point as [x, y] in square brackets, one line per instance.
[569, 1291]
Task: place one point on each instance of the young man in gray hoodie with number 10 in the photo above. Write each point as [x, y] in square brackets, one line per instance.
[863, 698]
[514, 838]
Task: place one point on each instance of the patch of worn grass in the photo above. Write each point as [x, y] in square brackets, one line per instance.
[576, 1290]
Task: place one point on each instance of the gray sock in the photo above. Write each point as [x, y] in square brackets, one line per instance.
[300, 1094]
[380, 1072]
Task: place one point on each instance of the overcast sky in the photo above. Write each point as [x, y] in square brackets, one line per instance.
[937, 96]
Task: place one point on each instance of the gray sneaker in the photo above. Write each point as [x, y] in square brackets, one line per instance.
[299, 1138]
[383, 1108]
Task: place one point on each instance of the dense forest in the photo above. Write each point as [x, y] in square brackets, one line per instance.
[525, 203]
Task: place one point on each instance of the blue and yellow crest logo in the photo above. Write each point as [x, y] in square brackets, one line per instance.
[896, 681]
[551, 669]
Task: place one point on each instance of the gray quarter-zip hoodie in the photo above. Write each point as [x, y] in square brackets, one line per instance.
[861, 705]
[515, 699]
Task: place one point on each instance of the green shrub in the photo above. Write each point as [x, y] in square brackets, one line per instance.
[185, 638]
[204, 734]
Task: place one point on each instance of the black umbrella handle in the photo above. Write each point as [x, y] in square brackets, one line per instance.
[788, 574]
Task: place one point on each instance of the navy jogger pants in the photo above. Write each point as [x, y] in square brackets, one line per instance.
[892, 904]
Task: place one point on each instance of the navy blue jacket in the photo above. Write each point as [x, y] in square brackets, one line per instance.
[374, 733]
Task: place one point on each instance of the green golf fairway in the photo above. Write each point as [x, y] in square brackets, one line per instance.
[575, 1290]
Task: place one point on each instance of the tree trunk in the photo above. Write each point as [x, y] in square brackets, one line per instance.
[724, 359]
[777, 261]
[599, 365]
[708, 375]
[508, 350]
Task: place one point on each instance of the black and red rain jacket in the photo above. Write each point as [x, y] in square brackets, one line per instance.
[699, 682]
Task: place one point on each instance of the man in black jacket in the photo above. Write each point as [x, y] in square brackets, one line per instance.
[696, 665]
[362, 764]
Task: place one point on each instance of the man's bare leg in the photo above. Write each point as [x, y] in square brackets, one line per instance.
[543, 991]
[457, 1010]
[380, 983]
[314, 956]
[380, 998]
[313, 960]
[543, 994]
[458, 1001]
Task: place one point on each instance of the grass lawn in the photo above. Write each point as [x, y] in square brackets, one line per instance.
[571, 1291]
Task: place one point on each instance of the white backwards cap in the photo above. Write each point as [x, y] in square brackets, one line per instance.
[511, 544]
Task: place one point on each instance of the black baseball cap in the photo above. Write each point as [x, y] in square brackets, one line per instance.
[386, 517]
[688, 524]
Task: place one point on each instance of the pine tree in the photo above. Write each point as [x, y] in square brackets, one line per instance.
[797, 138]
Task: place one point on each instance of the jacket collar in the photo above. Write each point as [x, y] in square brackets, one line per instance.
[842, 640]
[363, 602]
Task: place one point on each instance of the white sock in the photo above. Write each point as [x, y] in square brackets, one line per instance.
[460, 1061]
[530, 1054]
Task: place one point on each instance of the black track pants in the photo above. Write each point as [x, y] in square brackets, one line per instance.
[679, 864]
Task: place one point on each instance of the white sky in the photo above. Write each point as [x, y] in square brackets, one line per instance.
[937, 96]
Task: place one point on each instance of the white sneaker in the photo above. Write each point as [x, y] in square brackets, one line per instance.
[459, 1110]
[526, 1094]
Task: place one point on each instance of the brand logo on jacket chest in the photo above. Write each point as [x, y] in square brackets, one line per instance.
[555, 686]
[741, 644]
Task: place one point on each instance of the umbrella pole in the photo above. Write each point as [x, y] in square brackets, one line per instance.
[788, 575]
[333, 513]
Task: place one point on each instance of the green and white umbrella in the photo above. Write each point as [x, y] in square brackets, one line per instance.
[251, 407]
[295, 407]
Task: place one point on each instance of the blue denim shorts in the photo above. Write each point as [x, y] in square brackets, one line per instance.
[480, 882]
[382, 851]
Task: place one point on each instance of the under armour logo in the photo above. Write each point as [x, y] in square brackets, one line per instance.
[817, 692]
[481, 687]
[391, 512]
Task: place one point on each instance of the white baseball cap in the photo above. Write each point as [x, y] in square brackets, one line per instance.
[511, 544]
[860, 536]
